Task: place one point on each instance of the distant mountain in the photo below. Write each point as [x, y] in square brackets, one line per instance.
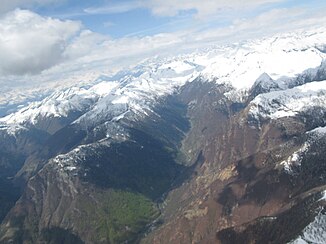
[224, 145]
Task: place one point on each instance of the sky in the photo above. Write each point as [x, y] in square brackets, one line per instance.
[48, 42]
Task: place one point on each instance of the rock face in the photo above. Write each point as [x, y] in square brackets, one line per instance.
[256, 177]
[176, 151]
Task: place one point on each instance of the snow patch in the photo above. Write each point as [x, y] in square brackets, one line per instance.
[315, 232]
[12, 129]
[294, 159]
[320, 131]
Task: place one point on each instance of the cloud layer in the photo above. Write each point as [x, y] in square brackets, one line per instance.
[30, 43]
[50, 49]
[41, 52]
[203, 8]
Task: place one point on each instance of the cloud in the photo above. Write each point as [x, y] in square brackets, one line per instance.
[265, 24]
[108, 24]
[114, 8]
[94, 51]
[203, 8]
[30, 43]
[64, 47]
[170, 8]
[8, 5]
[54, 49]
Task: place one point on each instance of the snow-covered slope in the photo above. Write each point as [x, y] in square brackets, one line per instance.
[136, 92]
[284, 55]
[315, 232]
[295, 159]
[289, 102]
[276, 59]
[59, 104]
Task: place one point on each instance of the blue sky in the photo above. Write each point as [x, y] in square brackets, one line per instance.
[114, 18]
[119, 18]
[44, 41]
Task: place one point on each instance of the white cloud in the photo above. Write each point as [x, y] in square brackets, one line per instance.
[30, 43]
[108, 24]
[7, 5]
[267, 23]
[203, 8]
[93, 51]
[114, 8]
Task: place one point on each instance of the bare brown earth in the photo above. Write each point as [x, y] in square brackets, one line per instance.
[240, 182]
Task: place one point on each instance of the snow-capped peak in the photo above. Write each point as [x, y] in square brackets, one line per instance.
[242, 66]
[289, 102]
[59, 104]
[264, 80]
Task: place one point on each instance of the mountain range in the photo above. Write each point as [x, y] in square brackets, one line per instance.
[222, 145]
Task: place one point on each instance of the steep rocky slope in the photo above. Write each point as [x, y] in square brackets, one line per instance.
[257, 175]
